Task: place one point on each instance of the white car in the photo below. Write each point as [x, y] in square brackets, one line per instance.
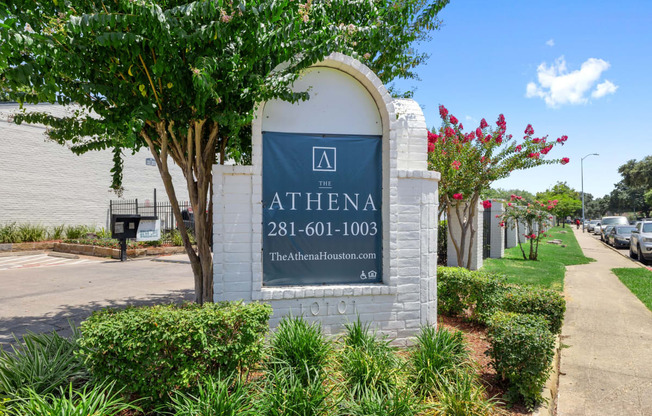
[605, 221]
[640, 243]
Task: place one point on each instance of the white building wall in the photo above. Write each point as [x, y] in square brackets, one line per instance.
[346, 97]
[511, 239]
[42, 182]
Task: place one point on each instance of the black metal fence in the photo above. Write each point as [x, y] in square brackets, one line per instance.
[486, 234]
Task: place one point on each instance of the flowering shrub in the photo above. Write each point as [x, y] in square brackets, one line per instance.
[535, 219]
[470, 161]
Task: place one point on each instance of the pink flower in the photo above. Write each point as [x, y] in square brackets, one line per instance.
[486, 204]
[461, 126]
[534, 155]
[509, 204]
[431, 147]
[443, 112]
[564, 160]
[483, 124]
[456, 165]
[562, 140]
[502, 223]
[478, 132]
[453, 119]
[458, 196]
[546, 149]
[536, 140]
[518, 148]
[499, 139]
[512, 197]
[501, 122]
[529, 131]
[449, 132]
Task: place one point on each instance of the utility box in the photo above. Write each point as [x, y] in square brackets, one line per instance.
[124, 226]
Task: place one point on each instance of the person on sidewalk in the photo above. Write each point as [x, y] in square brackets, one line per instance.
[577, 222]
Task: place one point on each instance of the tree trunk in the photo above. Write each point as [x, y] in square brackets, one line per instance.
[195, 155]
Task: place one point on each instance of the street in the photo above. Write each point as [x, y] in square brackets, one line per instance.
[44, 298]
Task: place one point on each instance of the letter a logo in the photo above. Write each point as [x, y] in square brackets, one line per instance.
[324, 159]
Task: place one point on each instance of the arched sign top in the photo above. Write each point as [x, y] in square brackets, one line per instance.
[338, 104]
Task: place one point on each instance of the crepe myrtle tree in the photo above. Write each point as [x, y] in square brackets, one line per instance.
[182, 78]
[535, 218]
[470, 162]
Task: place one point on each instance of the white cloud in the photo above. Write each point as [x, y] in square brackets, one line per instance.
[605, 88]
[557, 86]
[550, 42]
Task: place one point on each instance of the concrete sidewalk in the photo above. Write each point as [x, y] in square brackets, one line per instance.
[607, 367]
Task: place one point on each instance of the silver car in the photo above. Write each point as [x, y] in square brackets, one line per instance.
[605, 221]
[641, 242]
[592, 225]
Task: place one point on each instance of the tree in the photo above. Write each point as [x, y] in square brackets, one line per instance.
[567, 201]
[182, 78]
[536, 219]
[629, 193]
[596, 208]
[470, 162]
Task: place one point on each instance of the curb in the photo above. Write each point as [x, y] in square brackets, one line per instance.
[160, 260]
[550, 390]
[636, 262]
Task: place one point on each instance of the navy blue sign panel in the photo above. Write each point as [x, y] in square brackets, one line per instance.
[322, 218]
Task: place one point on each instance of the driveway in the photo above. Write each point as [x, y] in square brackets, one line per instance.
[44, 299]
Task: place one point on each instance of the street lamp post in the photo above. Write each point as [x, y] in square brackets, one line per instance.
[582, 169]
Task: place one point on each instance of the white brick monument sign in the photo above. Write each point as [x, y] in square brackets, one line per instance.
[337, 215]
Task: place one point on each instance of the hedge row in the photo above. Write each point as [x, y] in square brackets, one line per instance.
[522, 322]
[154, 351]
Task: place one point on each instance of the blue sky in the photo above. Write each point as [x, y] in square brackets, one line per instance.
[589, 64]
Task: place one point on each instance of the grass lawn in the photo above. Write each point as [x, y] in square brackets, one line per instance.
[548, 271]
[639, 281]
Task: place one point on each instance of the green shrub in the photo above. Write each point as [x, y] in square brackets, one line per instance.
[9, 233]
[522, 349]
[475, 293]
[300, 346]
[76, 231]
[30, 233]
[155, 351]
[463, 395]
[547, 303]
[97, 401]
[437, 356]
[368, 362]
[41, 363]
[102, 233]
[214, 397]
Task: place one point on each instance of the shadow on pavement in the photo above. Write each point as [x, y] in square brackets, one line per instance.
[59, 320]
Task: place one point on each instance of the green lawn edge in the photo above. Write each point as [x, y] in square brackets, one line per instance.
[638, 281]
[549, 270]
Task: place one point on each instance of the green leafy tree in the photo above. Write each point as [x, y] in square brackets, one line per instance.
[182, 78]
[535, 219]
[629, 193]
[568, 202]
[596, 208]
[470, 162]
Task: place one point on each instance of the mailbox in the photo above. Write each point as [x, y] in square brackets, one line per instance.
[124, 226]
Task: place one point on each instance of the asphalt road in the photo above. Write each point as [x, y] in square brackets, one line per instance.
[45, 299]
[622, 251]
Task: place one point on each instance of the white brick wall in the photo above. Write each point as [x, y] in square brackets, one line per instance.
[407, 297]
[43, 182]
[476, 250]
[511, 239]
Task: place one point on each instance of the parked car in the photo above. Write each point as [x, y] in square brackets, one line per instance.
[641, 242]
[619, 236]
[592, 225]
[605, 231]
[619, 220]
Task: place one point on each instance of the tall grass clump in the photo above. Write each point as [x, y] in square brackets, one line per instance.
[285, 393]
[30, 233]
[58, 232]
[225, 397]
[41, 364]
[368, 362]
[96, 400]
[462, 395]
[439, 354]
[300, 346]
[9, 233]
[74, 232]
[399, 402]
